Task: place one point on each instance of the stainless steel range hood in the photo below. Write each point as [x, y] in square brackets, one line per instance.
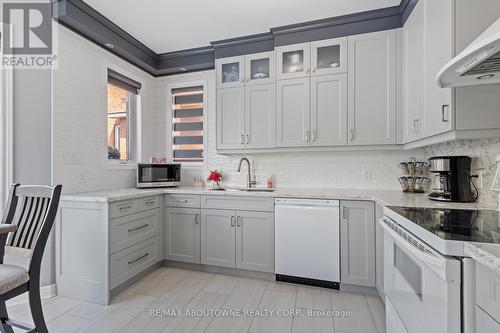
[477, 64]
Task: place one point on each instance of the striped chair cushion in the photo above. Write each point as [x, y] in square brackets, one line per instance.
[29, 218]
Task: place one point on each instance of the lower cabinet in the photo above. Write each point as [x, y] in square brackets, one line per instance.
[238, 239]
[182, 234]
[484, 323]
[357, 232]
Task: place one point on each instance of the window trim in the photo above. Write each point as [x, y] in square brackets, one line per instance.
[169, 127]
[136, 124]
[6, 134]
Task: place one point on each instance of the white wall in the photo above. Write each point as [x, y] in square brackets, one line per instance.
[309, 169]
[79, 113]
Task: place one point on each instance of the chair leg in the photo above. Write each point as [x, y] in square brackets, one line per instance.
[36, 309]
[4, 328]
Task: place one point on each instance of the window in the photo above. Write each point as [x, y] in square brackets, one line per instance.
[187, 124]
[122, 104]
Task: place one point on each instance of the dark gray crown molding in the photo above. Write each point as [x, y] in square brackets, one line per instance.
[86, 21]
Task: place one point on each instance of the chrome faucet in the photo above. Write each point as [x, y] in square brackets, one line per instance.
[250, 182]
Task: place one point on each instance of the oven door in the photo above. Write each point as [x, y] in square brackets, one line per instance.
[422, 285]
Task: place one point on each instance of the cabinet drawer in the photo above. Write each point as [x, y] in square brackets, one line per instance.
[237, 203]
[488, 291]
[122, 208]
[131, 229]
[484, 323]
[182, 200]
[133, 260]
[148, 203]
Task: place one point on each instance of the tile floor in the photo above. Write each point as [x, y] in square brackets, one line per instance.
[277, 307]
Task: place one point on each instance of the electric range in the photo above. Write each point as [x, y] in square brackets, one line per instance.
[446, 230]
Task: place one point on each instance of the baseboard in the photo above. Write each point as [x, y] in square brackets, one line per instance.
[45, 292]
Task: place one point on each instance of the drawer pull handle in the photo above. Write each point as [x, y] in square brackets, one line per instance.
[196, 220]
[138, 228]
[182, 201]
[125, 207]
[149, 203]
[140, 258]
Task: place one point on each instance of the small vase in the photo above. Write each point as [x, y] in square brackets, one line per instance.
[216, 185]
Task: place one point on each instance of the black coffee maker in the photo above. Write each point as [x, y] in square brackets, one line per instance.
[451, 179]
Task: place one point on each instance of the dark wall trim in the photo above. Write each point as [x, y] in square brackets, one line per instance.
[86, 21]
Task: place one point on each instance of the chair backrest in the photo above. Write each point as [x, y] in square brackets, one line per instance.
[33, 209]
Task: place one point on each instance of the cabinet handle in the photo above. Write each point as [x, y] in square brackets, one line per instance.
[314, 69]
[444, 110]
[232, 221]
[238, 223]
[415, 126]
[314, 136]
[307, 136]
[140, 258]
[125, 207]
[247, 139]
[196, 219]
[181, 201]
[353, 133]
[344, 212]
[242, 139]
[307, 70]
[242, 81]
[149, 203]
[138, 228]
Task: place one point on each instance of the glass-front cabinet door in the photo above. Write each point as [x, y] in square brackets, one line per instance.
[259, 68]
[293, 61]
[329, 56]
[230, 72]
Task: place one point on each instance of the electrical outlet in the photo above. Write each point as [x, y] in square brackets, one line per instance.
[80, 177]
[367, 174]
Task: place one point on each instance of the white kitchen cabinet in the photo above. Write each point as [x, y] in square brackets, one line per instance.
[329, 56]
[231, 118]
[182, 234]
[357, 233]
[260, 116]
[230, 72]
[293, 61]
[438, 50]
[372, 88]
[413, 67]
[259, 68]
[293, 110]
[329, 110]
[255, 241]
[379, 250]
[218, 237]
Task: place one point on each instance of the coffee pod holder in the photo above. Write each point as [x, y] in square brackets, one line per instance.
[414, 179]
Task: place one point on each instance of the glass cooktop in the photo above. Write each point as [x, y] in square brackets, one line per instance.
[455, 224]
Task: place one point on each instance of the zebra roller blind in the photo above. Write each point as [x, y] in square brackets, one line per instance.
[188, 122]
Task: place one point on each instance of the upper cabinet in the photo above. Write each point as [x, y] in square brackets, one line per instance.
[245, 70]
[230, 72]
[433, 34]
[372, 88]
[311, 59]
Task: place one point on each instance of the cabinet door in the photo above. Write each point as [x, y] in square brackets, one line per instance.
[484, 323]
[438, 50]
[259, 68]
[218, 237]
[372, 88]
[260, 116]
[357, 233]
[230, 118]
[329, 56]
[182, 234]
[329, 110]
[255, 241]
[293, 110]
[230, 72]
[293, 61]
[413, 69]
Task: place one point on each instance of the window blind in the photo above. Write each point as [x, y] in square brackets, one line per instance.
[187, 138]
[121, 81]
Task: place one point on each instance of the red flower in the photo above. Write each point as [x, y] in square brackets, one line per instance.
[215, 176]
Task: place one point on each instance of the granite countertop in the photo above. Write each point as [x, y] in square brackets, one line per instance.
[383, 197]
[486, 254]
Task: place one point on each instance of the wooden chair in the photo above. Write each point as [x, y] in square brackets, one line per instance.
[25, 228]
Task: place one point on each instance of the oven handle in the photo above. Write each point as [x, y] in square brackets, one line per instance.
[436, 264]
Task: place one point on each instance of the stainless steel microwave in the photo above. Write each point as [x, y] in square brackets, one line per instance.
[158, 175]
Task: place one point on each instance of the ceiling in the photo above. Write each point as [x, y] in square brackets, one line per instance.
[166, 26]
